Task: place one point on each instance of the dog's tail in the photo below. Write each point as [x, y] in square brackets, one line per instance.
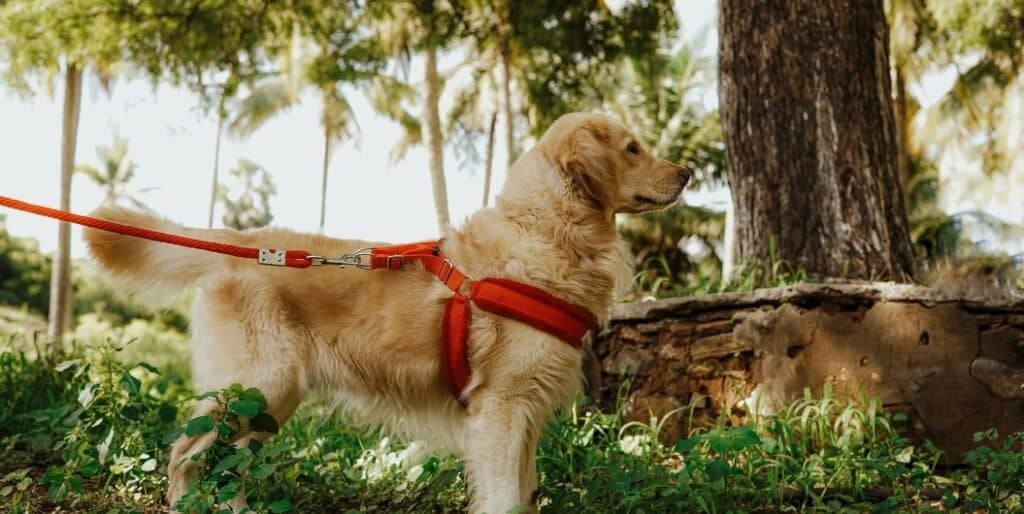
[150, 266]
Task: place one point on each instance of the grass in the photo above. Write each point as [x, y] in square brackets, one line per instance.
[86, 427]
[656, 280]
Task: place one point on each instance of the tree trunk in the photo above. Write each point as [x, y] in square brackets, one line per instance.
[506, 92]
[60, 278]
[323, 179]
[903, 160]
[434, 143]
[810, 136]
[729, 244]
[489, 160]
[221, 116]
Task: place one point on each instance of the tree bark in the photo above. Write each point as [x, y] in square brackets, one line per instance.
[323, 180]
[902, 115]
[489, 159]
[221, 116]
[435, 145]
[60, 278]
[810, 136]
[729, 244]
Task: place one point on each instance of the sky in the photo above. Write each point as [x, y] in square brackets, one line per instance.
[172, 142]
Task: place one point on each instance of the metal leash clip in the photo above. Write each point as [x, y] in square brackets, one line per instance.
[348, 260]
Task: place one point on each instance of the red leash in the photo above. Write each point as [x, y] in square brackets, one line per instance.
[292, 258]
[521, 302]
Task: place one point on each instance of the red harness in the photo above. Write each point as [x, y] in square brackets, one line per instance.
[515, 300]
[507, 298]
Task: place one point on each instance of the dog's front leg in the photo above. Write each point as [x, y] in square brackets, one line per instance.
[500, 437]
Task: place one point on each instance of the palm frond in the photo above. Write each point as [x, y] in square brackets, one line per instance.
[91, 172]
[265, 100]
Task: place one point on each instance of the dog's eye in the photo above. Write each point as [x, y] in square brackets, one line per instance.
[633, 148]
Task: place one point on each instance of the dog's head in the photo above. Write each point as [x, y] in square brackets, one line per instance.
[608, 167]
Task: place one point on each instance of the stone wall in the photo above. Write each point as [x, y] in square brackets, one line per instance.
[954, 364]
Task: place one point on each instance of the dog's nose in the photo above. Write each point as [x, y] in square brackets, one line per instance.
[684, 176]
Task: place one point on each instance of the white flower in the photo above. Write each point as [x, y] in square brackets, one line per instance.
[634, 444]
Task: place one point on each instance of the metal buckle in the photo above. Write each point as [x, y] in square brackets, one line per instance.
[348, 260]
[441, 270]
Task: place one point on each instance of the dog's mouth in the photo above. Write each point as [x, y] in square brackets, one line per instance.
[647, 201]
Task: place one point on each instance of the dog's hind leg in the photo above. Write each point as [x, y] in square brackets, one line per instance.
[282, 398]
[500, 438]
[223, 357]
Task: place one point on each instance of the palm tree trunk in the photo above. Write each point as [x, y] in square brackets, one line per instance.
[506, 87]
[323, 181]
[490, 158]
[60, 278]
[221, 115]
[434, 142]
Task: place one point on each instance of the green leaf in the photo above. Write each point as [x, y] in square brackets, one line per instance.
[132, 412]
[148, 367]
[254, 395]
[247, 408]
[199, 425]
[717, 470]
[280, 506]
[274, 449]
[228, 491]
[167, 412]
[263, 422]
[54, 475]
[227, 463]
[744, 437]
[89, 467]
[223, 430]
[172, 435]
[75, 483]
[263, 471]
[685, 445]
[58, 492]
[130, 383]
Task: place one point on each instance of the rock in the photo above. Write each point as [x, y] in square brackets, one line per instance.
[955, 365]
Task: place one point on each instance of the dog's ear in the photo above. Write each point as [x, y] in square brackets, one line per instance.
[584, 160]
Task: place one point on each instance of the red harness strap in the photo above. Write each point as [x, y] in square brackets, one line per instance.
[507, 298]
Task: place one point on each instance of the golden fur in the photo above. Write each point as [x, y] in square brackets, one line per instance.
[370, 339]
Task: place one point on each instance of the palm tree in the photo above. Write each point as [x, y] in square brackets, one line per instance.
[435, 140]
[115, 173]
[427, 27]
[475, 113]
[60, 278]
[658, 95]
[247, 200]
[279, 92]
[221, 119]
[490, 159]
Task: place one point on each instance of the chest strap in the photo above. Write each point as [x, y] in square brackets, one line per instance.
[508, 298]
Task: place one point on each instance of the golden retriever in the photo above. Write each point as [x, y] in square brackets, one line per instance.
[371, 339]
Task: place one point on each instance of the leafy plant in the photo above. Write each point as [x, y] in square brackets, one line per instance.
[232, 471]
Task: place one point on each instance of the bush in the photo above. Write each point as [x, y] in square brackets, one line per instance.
[25, 283]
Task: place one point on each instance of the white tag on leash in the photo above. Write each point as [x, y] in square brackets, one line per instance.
[271, 257]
